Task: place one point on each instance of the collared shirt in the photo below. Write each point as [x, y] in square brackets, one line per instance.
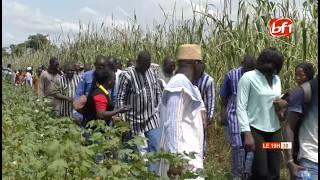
[206, 87]
[85, 84]
[308, 131]
[255, 102]
[180, 120]
[229, 90]
[142, 93]
[67, 88]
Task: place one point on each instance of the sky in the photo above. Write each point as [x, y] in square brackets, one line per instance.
[21, 18]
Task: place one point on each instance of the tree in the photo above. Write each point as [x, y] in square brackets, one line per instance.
[19, 49]
[5, 52]
[37, 41]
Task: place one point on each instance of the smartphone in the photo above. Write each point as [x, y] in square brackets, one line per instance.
[284, 96]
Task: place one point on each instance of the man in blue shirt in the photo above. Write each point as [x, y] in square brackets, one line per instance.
[229, 118]
[85, 83]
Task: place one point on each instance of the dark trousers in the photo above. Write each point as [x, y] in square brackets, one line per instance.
[266, 162]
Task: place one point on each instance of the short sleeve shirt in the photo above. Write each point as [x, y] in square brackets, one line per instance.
[308, 130]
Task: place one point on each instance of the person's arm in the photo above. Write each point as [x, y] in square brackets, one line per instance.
[224, 94]
[295, 110]
[242, 114]
[56, 93]
[101, 102]
[292, 120]
[210, 101]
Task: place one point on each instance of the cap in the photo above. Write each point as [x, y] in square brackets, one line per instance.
[189, 52]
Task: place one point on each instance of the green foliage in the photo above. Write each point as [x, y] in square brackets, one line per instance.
[5, 52]
[37, 41]
[38, 146]
[34, 43]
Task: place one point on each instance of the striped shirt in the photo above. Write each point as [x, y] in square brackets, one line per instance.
[206, 88]
[229, 90]
[142, 93]
[67, 88]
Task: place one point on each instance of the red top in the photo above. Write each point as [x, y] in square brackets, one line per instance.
[100, 102]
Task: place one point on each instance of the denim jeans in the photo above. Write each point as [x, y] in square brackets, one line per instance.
[77, 116]
[310, 166]
[153, 141]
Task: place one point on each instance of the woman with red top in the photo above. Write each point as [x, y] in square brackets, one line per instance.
[99, 104]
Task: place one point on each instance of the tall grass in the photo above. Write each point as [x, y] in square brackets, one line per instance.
[224, 42]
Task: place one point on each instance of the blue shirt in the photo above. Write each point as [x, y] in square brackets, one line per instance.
[85, 84]
[229, 91]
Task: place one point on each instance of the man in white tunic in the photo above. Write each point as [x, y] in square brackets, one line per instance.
[182, 112]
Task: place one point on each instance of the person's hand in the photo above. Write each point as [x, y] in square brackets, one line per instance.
[248, 141]
[124, 109]
[281, 115]
[117, 119]
[174, 171]
[204, 119]
[280, 103]
[294, 170]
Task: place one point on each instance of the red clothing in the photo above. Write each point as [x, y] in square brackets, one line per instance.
[100, 101]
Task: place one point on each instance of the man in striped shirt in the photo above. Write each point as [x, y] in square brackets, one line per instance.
[206, 87]
[64, 90]
[228, 96]
[140, 89]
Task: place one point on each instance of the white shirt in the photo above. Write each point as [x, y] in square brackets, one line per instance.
[29, 78]
[181, 121]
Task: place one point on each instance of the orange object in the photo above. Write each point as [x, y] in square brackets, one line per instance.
[36, 84]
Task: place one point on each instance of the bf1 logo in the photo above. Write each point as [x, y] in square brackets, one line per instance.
[280, 27]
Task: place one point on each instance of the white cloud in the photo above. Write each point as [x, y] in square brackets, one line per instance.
[88, 10]
[34, 20]
[26, 20]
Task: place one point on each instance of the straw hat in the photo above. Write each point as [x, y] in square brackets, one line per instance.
[189, 52]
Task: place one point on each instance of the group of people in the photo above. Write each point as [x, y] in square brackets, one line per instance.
[256, 110]
[172, 105]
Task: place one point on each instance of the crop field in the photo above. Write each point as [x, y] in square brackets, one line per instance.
[36, 146]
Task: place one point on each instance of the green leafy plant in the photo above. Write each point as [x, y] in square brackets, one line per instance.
[38, 146]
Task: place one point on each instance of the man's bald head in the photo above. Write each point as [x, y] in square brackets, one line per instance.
[169, 65]
[111, 63]
[100, 62]
[143, 61]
